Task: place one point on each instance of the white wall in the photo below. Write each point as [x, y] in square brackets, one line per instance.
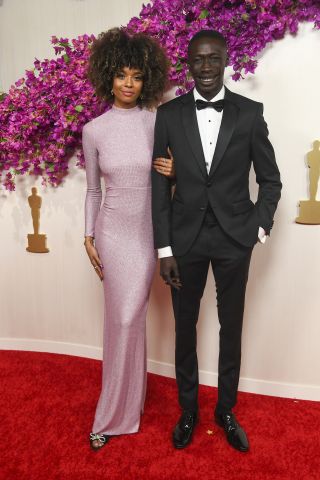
[54, 302]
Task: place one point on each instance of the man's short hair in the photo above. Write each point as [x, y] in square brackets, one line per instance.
[214, 34]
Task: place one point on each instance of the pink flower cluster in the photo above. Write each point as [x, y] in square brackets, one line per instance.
[247, 25]
[42, 116]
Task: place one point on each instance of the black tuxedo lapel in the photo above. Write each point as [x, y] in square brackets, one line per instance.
[229, 118]
[190, 123]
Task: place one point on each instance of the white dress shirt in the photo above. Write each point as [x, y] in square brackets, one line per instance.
[209, 122]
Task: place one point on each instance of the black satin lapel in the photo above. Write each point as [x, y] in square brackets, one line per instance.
[229, 118]
[189, 121]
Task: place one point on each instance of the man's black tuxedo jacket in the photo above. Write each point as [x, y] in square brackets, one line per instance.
[242, 141]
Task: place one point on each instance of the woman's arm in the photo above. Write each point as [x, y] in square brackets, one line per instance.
[93, 197]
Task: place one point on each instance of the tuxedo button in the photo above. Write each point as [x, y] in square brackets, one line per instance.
[202, 208]
[209, 184]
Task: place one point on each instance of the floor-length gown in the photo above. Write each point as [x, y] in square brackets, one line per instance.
[118, 146]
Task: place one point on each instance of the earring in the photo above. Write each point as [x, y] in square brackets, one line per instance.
[141, 97]
[112, 92]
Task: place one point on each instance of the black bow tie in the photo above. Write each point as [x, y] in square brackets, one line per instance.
[218, 105]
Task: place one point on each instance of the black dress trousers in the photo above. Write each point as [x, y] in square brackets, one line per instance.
[230, 263]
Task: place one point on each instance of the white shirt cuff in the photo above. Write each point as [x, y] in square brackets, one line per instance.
[262, 235]
[164, 252]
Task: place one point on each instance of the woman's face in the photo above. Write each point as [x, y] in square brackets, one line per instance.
[127, 87]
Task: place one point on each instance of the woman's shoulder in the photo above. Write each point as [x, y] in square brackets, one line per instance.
[150, 111]
[95, 122]
[150, 115]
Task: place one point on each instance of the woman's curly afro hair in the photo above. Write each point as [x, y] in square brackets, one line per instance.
[116, 49]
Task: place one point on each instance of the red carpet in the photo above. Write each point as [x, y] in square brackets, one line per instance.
[47, 403]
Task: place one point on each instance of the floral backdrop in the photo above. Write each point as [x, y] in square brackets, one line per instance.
[42, 115]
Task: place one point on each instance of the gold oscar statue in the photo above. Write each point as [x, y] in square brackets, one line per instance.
[309, 211]
[37, 242]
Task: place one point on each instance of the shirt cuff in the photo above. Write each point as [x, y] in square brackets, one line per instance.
[262, 235]
[164, 252]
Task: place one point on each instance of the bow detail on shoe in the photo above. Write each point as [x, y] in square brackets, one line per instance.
[96, 436]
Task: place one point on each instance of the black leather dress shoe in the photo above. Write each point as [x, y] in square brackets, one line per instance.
[182, 433]
[236, 436]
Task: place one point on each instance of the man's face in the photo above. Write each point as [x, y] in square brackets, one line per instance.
[207, 60]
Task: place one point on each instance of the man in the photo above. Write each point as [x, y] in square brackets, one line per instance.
[215, 136]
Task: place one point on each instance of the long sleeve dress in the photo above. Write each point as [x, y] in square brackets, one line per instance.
[118, 146]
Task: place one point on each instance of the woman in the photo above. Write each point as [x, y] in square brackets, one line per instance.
[131, 72]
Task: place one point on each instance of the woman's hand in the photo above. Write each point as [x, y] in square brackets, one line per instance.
[93, 256]
[165, 166]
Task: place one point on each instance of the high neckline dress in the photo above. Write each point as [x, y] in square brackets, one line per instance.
[118, 147]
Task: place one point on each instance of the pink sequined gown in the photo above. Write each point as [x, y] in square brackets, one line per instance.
[118, 146]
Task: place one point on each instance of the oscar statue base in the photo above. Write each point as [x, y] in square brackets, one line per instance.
[37, 243]
[309, 212]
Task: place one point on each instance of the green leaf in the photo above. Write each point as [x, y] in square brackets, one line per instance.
[64, 44]
[245, 58]
[178, 66]
[66, 58]
[204, 14]
[70, 117]
[78, 108]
